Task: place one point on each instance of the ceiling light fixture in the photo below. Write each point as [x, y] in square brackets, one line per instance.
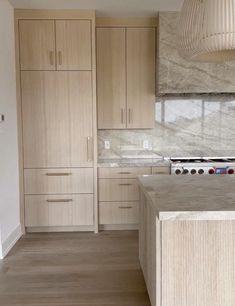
[207, 30]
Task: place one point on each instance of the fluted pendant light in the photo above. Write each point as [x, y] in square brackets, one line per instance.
[207, 30]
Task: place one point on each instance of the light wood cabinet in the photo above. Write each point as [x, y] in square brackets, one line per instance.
[73, 44]
[58, 181]
[140, 77]
[58, 210]
[126, 77]
[56, 82]
[37, 44]
[125, 172]
[119, 195]
[111, 78]
[57, 119]
[55, 45]
[118, 190]
[118, 212]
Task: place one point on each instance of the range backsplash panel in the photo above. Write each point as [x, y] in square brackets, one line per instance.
[177, 75]
[201, 125]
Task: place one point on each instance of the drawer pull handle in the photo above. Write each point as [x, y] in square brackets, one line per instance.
[125, 207]
[60, 201]
[124, 173]
[58, 174]
[125, 184]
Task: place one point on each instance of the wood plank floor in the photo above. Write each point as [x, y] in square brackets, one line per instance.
[81, 269]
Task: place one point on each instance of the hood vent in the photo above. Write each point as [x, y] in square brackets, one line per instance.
[180, 76]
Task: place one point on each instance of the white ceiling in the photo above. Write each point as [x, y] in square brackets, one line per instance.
[110, 8]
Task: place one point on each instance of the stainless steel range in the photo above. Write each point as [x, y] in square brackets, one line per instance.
[203, 166]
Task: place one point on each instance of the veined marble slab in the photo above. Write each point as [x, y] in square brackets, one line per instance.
[177, 75]
[133, 163]
[191, 198]
[193, 125]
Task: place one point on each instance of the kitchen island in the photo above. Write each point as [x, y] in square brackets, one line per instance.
[187, 239]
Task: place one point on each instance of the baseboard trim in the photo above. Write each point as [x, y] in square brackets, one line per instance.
[55, 229]
[11, 240]
[118, 227]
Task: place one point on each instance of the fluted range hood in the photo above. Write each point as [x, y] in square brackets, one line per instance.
[179, 76]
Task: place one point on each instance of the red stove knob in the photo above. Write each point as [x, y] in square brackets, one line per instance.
[230, 171]
[211, 171]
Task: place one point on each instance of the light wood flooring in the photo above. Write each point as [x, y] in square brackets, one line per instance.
[69, 269]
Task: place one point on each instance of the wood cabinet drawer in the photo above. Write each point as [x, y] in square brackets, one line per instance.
[58, 181]
[161, 170]
[118, 190]
[118, 212]
[58, 210]
[123, 172]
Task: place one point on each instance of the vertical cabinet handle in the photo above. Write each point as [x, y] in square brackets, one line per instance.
[129, 115]
[122, 116]
[60, 58]
[89, 149]
[51, 58]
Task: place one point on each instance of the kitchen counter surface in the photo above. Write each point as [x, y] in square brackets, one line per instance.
[191, 197]
[133, 162]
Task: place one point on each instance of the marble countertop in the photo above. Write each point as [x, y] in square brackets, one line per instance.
[133, 162]
[191, 197]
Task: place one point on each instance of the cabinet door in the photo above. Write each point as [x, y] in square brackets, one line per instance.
[37, 44]
[45, 119]
[111, 78]
[140, 77]
[57, 119]
[73, 43]
[81, 118]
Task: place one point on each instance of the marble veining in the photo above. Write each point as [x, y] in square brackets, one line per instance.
[177, 75]
[192, 125]
[132, 162]
[191, 198]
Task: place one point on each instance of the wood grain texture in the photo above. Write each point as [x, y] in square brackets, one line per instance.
[54, 14]
[58, 181]
[126, 22]
[118, 213]
[58, 210]
[73, 44]
[37, 44]
[111, 78]
[74, 269]
[57, 119]
[198, 263]
[140, 77]
[125, 172]
[122, 190]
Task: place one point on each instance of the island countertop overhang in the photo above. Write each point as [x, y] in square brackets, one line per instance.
[190, 198]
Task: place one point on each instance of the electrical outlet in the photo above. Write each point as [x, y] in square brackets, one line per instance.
[146, 144]
[107, 144]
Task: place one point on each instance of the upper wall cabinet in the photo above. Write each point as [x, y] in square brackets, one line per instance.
[73, 44]
[178, 75]
[125, 77]
[55, 45]
[111, 74]
[140, 77]
[37, 44]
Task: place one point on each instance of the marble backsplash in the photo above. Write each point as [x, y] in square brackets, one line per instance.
[201, 125]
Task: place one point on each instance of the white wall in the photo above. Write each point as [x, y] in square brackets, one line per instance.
[9, 176]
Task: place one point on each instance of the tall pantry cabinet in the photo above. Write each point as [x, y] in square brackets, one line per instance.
[56, 62]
